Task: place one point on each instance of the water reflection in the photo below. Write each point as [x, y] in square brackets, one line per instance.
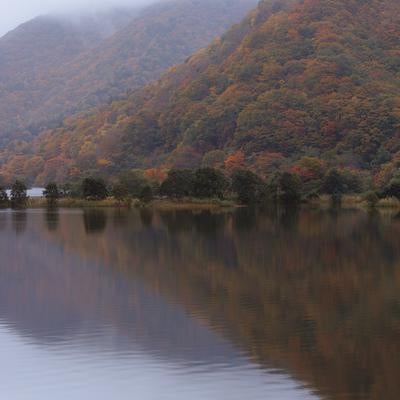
[19, 221]
[52, 218]
[95, 220]
[223, 300]
[146, 216]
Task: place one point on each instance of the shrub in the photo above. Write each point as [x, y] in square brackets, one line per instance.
[248, 186]
[3, 197]
[134, 181]
[19, 195]
[179, 183]
[120, 192]
[146, 196]
[94, 189]
[392, 189]
[333, 183]
[51, 193]
[209, 183]
[371, 198]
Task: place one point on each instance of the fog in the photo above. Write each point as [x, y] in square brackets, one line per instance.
[15, 12]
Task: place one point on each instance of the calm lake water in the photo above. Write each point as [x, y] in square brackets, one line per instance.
[245, 305]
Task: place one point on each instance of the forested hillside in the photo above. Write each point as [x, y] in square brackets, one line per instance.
[51, 67]
[31, 54]
[319, 79]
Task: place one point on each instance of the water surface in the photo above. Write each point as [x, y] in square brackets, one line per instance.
[197, 305]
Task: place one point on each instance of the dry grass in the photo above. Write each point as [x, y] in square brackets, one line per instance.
[76, 203]
[162, 204]
[390, 202]
[348, 201]
[191, 204]
[356, 201]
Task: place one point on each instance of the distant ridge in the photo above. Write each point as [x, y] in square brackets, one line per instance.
[31, 54]
[51, 67]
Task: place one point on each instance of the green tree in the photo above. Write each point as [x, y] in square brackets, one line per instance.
[146, 196]
[73, 190]
[3, 197]
[66, 190]
[120, 193]
[371, 198]
[353, 181]
[19, 195]
[285, 187]
[179, 183]
[248, 187]
[134, 181]
[51, 193]
[209, 182]
[333, 185]
[393, 188]
[94, 189]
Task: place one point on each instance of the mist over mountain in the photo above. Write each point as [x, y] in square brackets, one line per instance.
[31, 54]
[49, 40]
[53, 66]
[18, 12]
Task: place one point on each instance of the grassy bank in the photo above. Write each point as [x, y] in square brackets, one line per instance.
[348, 202]
[162, 204]
[191, 203]
[355, 201]
[72, 203]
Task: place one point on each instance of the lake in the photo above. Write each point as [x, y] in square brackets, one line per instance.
[247, 304]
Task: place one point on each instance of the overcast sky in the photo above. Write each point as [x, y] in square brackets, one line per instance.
[15, 12]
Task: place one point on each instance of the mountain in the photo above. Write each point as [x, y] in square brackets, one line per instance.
[53, 67]
[165, 34]
[313, 78]
[30, 55]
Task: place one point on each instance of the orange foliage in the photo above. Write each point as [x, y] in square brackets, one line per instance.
[235, 161]
[158, 175]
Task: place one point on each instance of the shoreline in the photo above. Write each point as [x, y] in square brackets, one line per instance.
[324, 202]
[158, 204]
[355, 202]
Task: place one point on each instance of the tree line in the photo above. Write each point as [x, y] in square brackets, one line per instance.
[242, 185]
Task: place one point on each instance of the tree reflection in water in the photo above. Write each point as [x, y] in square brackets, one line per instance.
[316, 293]
[95, 221]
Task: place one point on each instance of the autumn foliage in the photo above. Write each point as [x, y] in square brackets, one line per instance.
[303, 86]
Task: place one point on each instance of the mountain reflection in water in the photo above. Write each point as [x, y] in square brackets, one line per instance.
[282, 304]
